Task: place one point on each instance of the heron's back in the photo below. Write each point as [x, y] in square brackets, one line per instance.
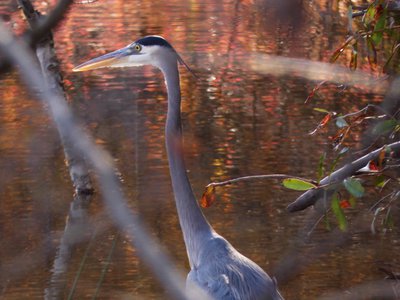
[224, 273]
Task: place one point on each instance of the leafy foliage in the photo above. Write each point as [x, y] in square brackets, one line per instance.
[374, 37]
[375, 22]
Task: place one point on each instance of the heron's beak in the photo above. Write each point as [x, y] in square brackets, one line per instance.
[104, 61]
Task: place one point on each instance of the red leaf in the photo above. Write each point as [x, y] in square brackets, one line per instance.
[208, 197]
[340, 50]
[340, 136]
[345, 203]
[315, 89]
[323, 122]
[379, 11]
[372, 166]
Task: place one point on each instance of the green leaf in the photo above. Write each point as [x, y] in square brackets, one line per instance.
[370, 14]
[298, 184]
[378, 29]
[354, 187]
[372, 54]
[337, 210]
[341, 122]
[321, 168]
[394, 52]
[384, 127]
[322, 110]
[380, 181]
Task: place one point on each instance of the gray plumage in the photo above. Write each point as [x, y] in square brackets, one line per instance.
[216, 267]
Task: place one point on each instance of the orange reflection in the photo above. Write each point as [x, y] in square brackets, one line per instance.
[236, 122]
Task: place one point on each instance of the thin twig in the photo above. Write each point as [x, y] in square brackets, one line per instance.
[81, 265]
[258, 177]
[381, 200]
[105, 268]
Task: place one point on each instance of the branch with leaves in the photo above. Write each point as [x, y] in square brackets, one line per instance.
[345, 177]
[312, 196]
[289, 181]
[375, 21]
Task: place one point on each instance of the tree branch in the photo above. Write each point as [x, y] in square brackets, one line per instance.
[257, 177]
[41, 28]
[312, 196]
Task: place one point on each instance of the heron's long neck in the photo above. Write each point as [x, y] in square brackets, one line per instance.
[193, 223]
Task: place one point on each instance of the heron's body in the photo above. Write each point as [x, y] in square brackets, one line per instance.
[216, 266]
[226, 274]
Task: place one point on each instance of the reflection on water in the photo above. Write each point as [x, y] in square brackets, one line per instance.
[236, 122]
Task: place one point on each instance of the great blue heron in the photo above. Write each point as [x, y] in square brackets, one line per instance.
[216, 266]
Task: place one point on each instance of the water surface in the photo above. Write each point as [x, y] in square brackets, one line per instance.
[236, 122]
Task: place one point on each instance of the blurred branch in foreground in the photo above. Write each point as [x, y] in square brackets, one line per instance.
[316, 71]
[147, 248]
[77, 228]
[40, 28]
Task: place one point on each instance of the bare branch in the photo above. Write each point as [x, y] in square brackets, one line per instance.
[77, 220]
[42, 28]
[257, 177]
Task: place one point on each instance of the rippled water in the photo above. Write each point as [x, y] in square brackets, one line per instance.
[236, 122]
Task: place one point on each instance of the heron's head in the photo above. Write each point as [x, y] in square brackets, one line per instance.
[150, 50]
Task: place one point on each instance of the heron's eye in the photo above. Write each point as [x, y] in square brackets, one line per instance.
[138, 48]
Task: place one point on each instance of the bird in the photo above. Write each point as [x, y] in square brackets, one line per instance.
[215, 265]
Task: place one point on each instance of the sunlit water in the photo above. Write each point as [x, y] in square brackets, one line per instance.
[236, 123]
